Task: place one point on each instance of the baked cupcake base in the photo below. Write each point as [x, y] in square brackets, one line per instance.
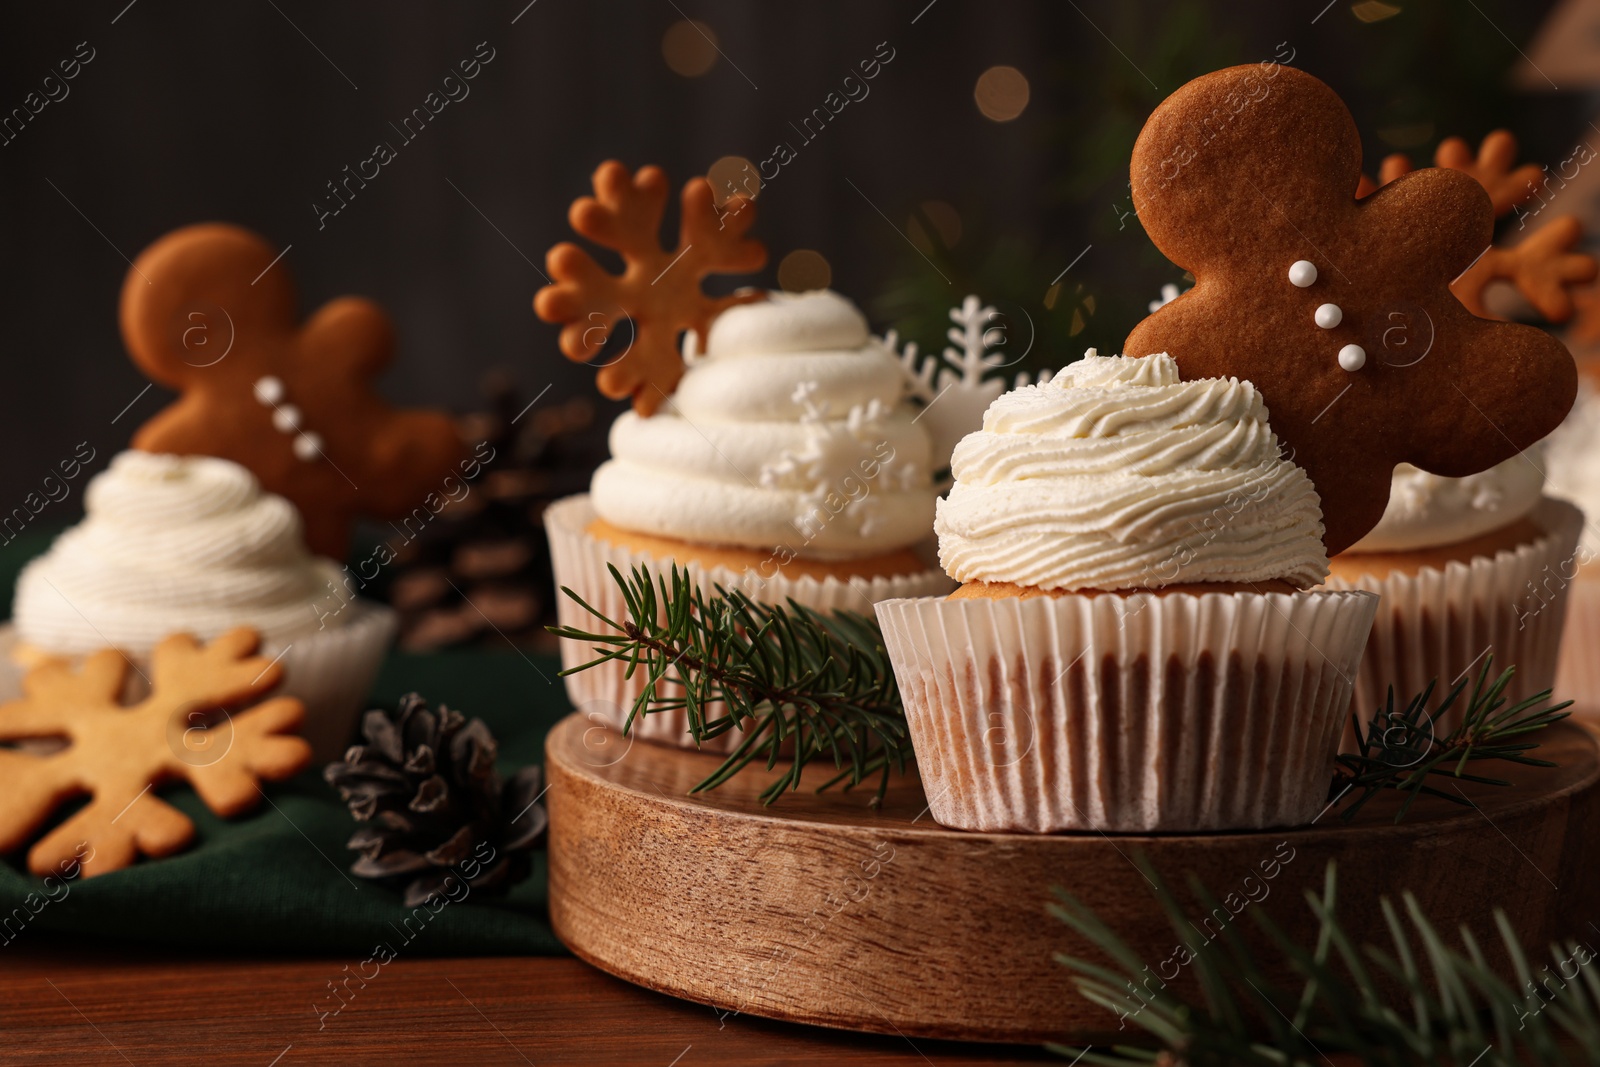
[331, 670]
[581, 551]
[1127, 712]
[1445, 609]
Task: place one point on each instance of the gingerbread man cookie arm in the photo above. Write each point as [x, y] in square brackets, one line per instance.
[354, 331]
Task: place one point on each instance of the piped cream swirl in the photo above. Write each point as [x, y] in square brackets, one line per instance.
[791, 431]
[1117, 475]
[169, 544]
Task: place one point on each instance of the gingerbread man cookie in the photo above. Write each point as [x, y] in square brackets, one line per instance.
[208, 311]
[1338, 309]
[658, 289]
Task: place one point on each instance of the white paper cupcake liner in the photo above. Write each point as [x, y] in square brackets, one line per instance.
[603, 692]
[1444, 622]
[331, 671]
[1578, 670]
[1127, 713]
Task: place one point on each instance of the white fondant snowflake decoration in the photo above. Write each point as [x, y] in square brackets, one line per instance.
[957, 387]
[852, 444]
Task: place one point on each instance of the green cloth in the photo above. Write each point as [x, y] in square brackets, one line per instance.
[276, 880]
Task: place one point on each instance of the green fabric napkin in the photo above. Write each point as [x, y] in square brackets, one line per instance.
[275, 880]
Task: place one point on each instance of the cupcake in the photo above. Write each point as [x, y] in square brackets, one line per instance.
[1466, 567]
[192, 544]
[1136, 644]
[1572, 459]
[788, 464]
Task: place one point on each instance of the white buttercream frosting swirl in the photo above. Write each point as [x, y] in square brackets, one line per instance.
[170, 544]
[791, 430]
[1117, 475]
[1428, 510]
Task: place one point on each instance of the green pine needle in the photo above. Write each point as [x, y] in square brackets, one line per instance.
[1452, 1007]
[823, 685]
[786, 675]
[1400, 750]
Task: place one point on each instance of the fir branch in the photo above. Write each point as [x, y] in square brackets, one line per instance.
[787, 675]
[1400, 750]
[790, 675]
[1454, 1007]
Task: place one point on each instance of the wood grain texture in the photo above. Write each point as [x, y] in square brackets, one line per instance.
[823, 910]
[65, 1003]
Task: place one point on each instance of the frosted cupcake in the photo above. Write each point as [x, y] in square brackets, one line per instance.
[1572, 459]
[788, 464]
[192, 544]
[1134, 646]
[1466, 567]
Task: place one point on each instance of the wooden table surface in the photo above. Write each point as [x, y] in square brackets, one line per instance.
[65, 1002]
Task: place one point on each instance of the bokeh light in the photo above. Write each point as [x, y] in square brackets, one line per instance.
[1374, 10]
[802, 270]
[689, 47]
[1001, 93]
[733, 176]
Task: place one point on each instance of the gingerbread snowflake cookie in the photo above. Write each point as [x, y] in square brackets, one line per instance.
[1338, 309]
[209, 311]
[117, 755]
[658, 290]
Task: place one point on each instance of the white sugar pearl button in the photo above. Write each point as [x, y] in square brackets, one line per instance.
[307, 447]
[286, 418]
[1352, 357]
[1302, 272]
[1328, 316]
[268, 390]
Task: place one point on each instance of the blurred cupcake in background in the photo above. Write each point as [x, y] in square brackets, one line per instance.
[192, 544]
[1466, 567]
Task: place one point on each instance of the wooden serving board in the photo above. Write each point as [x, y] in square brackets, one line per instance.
[822, 909]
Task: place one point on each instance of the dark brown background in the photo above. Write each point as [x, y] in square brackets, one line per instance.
[235, 111]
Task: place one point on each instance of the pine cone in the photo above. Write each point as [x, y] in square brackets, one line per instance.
[426, 788]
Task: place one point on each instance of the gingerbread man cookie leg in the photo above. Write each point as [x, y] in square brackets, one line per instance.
[1242, 174]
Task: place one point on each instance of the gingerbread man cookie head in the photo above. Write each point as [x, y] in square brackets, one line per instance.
[658, 290]
[1339, 310]
[209, 311]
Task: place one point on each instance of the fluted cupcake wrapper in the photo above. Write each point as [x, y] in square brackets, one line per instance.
[331, 671]
[1578, 670]
[1127, 713]
[1442, 623]
[604, 693]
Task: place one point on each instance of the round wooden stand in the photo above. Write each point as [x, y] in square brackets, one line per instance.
[824, 910]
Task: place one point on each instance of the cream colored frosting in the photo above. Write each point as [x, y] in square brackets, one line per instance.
[168, 544]
[1117, 475]
[790, 431]
[1427, 510]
